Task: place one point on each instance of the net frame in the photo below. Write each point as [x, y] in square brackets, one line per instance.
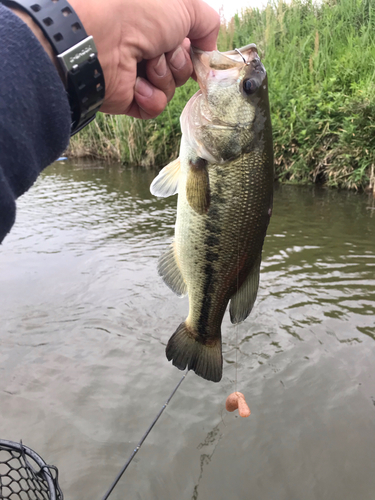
[24, 475]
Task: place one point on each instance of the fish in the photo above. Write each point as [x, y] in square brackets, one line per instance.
[224, 180]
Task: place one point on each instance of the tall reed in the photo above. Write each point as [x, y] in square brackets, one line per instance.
[320, 60]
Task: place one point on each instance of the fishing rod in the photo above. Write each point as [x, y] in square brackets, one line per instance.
[135, 451]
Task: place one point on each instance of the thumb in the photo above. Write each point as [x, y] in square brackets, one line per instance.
[205, 25]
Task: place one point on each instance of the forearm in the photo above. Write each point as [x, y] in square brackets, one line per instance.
[38, 33]
[34, 113]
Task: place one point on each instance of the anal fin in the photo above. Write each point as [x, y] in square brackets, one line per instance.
[241, 303]
[169, 270]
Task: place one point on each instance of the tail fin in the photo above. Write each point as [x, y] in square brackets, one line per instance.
[185, 350]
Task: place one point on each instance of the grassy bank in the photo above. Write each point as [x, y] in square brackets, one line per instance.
[321, 65]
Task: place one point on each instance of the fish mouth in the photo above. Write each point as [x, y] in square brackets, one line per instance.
[223, 66]
[225, 60]
[245, 54]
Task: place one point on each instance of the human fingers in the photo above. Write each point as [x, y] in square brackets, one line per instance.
[134, 31]
[180, 63]
[159, 74]
[149, 101]
[205, 24]
[167, 73]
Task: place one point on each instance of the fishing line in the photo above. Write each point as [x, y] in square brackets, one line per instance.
[235, 383]
[238, 272]
[135, 451]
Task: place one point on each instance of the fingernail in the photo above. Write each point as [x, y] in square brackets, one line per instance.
[178, 58]
[143, 87]
[161, 66]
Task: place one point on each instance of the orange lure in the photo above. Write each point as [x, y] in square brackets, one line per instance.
[237, 400]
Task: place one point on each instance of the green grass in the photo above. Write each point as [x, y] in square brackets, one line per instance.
[320, 61]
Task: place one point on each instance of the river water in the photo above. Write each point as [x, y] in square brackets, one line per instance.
[85, 320]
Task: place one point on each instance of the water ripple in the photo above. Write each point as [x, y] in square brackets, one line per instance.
[85, 321]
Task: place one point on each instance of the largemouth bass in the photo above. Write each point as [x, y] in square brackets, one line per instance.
[224, 180]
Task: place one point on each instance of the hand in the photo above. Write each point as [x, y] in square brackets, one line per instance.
[156, 33]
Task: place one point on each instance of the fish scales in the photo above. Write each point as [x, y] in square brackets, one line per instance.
[224, 207]
[216, 257]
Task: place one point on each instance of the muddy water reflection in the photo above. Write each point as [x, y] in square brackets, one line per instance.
[85, 319]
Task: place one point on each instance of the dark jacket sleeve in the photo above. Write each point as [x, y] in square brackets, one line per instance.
[34, 113]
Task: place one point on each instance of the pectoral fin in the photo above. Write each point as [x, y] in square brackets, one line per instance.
[169, 270]
[166, 183]
[242, 302]
[198, 186]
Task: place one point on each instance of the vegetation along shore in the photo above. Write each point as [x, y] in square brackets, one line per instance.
[320, 60]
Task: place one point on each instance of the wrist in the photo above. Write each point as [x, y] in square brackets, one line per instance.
[104, 26]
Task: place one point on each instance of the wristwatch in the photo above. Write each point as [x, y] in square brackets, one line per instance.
[76, 53]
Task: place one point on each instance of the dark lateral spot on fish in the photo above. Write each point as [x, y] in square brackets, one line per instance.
[211, 240]
[206, 303]
[198, 163]
[212, 256]
[216, 198]
[214, 212]
[212, 228]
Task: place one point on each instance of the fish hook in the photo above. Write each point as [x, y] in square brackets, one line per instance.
[244, 60]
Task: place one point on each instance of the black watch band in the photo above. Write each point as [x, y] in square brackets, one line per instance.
[76, 53]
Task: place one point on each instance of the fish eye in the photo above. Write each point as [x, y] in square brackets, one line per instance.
[250, 86]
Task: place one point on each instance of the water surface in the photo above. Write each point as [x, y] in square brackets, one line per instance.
[85, 320]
